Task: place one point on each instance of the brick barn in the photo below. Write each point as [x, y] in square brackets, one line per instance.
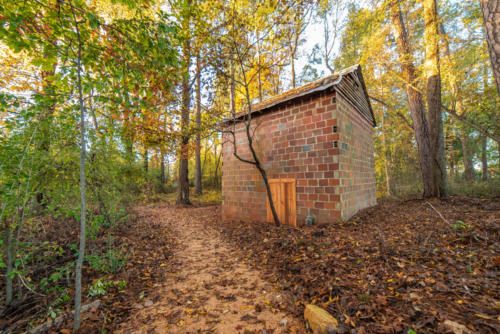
[315, 143]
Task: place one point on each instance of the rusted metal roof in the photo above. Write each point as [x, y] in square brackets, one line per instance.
[348, 82]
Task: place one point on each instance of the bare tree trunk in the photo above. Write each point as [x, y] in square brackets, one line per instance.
[484, 157]
[498, 152]
[81, 249]
[468, 168]
[491, 19]
[162, 169]
[386, 163]
[414, 99]
[198, 176]
[452, 164]
[259, 77]
[232, 90]
[326, 42]
[9, 265]
[433, 93]
[292, 48]
[146, 160]
[183, 181]
[217, 157]
[167, 176]
[256, 159]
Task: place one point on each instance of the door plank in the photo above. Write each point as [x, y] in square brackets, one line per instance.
[283, 192]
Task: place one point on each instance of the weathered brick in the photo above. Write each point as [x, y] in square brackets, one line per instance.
[296, 140]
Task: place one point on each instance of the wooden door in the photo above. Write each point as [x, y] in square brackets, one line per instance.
[283, 193]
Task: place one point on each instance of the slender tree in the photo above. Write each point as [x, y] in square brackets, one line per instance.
[81, 248]
[458, 103]
[198, 171]
[183, 178]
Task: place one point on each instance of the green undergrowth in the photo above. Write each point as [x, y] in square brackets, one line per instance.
[209, 196]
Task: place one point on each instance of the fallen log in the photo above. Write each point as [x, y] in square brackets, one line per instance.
[47, 325]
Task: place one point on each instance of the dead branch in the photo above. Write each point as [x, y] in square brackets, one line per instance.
[440, 215]
[47, 325]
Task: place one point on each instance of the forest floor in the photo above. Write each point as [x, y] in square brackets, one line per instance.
[209, 288]
[182, 277]
[399, 267]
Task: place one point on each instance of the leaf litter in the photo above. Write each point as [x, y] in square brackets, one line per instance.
[395, 268]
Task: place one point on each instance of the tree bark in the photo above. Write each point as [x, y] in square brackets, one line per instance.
[162, 169]
[433, 93]
[146, 160]
[259, 77]
[484, 157]
[183, 180]
[498, 150]
[217, 157]
[81, 249]
[232, 90]
[491, 19]
[198, 172]
[468, 168]
[9, 265]
[414, 99]
[386, 163]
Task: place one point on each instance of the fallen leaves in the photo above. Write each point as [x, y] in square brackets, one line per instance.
[398, 267]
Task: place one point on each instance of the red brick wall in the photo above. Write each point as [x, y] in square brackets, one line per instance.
[295, 141]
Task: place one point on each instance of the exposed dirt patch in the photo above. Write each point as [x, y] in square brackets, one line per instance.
[208, 288]
[391, 268]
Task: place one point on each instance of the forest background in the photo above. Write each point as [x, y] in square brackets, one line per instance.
[105, 103]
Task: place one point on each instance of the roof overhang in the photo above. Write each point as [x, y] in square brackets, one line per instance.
[348, 82]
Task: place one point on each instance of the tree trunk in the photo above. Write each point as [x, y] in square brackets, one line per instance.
[198, 176]
[491, 19]
[9, 265]
[167, 176]
[498, 149]
[468, 168]
[433, 93]
[386, 163]
[414, 99]
[292, 63]
[81, 249]
[259, 77]
[256, 159]
[183, 181]
[452, 165]
[162, 169]
[146, 160]
[232, 90]
[217, 157]
[484, 157]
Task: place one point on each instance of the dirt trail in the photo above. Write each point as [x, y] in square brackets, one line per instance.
[210, 289]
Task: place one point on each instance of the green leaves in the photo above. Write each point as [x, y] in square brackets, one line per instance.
[93, 20]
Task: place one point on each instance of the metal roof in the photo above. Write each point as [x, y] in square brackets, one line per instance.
[348, 82]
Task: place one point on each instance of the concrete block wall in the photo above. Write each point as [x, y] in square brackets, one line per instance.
[297, 141]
